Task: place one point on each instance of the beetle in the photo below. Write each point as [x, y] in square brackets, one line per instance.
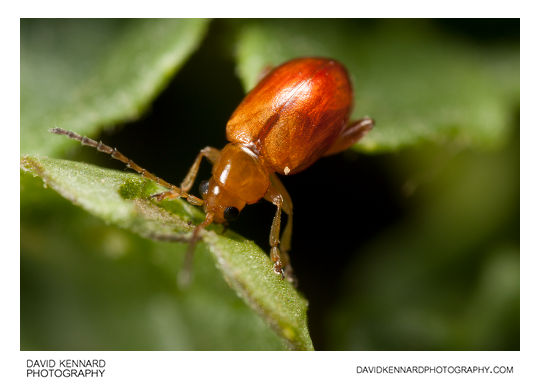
[296, 114]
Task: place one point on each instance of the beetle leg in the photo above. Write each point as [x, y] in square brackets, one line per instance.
[211, 154]
[278, 195]
[274, 242]
[173, 192]
[184, 274]
[351, 134]
[287, 206]
[165, 195]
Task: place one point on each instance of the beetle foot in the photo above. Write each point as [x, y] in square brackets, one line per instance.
[289, 275]
[286, 272]
[279, 271]
[278, 266]
[165, 195]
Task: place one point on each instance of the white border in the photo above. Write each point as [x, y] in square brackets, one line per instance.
[274, 366]
[288, 367]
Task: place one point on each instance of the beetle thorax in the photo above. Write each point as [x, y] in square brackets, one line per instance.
[238, 178]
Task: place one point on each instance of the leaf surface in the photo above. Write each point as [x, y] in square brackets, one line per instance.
[122, 199]
[89, 74]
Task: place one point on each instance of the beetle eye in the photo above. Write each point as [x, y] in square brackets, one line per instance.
[231, 213]
[203, 187]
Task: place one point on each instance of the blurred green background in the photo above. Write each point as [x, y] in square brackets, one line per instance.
[408, 241]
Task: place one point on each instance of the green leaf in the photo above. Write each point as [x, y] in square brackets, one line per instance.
[86, 285]
[122, 199]
[90, 74]
[417, 83]
[91, 286]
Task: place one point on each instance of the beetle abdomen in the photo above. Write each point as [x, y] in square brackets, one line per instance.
[294, 114]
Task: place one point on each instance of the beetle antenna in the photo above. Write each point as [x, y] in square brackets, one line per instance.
[184, 275]
[115, 154]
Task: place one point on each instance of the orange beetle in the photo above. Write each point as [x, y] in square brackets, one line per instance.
[296, 114]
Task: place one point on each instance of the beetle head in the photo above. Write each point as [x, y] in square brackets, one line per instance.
[223, 205]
